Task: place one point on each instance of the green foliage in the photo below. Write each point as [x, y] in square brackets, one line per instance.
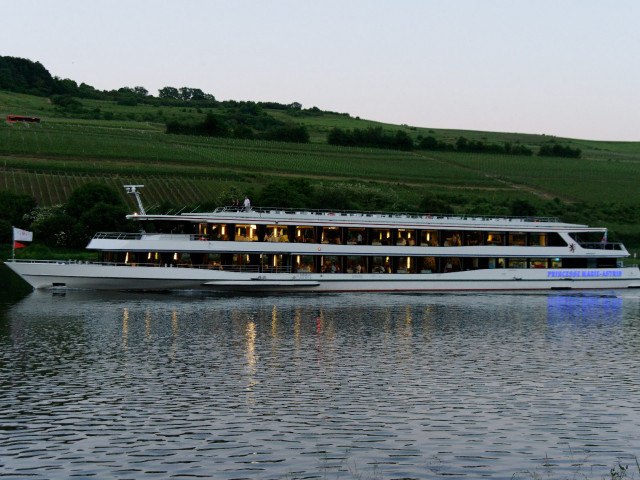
[293, 193]
[522, 208]
[556, 150]
[101, 217]
[24, 76]
[374, 137]
[434, 204]
[6, 231]
[53, 227]
[14, 207]
[85, 198]
[287, 133]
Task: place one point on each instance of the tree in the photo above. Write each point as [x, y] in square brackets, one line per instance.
[522, 208]
[84, 198]
[24, 76]
[53, 227]
[15, 207]
[432, 204]
[169, 92]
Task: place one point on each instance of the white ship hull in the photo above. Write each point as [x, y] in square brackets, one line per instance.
[47, 274]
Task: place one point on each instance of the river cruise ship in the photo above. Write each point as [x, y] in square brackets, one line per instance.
[295, 250]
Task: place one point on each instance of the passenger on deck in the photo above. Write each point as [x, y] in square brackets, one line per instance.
[247, 204]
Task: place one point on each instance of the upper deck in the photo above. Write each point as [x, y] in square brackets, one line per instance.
[346, 218]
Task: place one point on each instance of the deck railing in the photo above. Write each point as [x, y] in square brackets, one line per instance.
[226, 268]
[602, 245]
[375, 214]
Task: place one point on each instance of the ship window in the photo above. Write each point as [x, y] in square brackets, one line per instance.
[381, 236]
[246, 233]
[330, 264]
[213, 261]
[452, 264]
[555, 240]
[495, 263]
[276, 233]
[556, 263]
[517, 263]
[272, 263]
[356, 264]
[538, 239]
[305, 235]
[406, 265]
[518, 239]
[380, 265]
[427, 264]
[406, 237]
[217, 231]
[495, 238]
[304, 263]
[429, 238]
[473, 238]
[355, 236]
[451, 238]
[331, 235]
[539, 263]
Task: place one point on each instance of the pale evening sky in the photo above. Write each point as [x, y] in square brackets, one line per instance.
[561, 67]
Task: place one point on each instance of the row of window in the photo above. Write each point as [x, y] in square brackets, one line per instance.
[344, 263]
[368, 236]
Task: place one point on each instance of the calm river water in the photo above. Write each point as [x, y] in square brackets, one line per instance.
[346, 386]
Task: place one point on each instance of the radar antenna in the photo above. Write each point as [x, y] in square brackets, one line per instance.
[131, 189]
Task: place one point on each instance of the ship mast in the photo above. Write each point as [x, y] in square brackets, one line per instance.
[131, 189]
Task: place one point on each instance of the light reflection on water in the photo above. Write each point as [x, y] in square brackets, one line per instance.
[329, 386]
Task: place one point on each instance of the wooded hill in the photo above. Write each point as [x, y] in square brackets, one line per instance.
[108, 139]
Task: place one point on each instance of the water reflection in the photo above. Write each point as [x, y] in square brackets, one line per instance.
[340, 386]
[585, 310]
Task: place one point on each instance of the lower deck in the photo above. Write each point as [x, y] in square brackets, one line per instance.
[274, 263]
[104, 276]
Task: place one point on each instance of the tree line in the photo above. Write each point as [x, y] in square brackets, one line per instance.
[376, 137]
[245, 124]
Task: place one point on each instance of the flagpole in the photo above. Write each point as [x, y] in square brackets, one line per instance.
[13, 255]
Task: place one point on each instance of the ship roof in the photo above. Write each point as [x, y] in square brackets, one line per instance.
[343, 218]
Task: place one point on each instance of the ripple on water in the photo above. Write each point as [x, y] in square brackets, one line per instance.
[121, 386]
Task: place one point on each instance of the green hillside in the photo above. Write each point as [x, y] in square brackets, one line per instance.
[128, 144]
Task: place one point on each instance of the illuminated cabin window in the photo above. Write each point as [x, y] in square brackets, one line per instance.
[517, 263]
[355, 264]
[304, 264]
[330, 264]
[406, 237]
[473, 238]
[429, 238]
[518, 239]
[495, 238]
[272, 263]
[380, 264]
[276, 233]
[406, 265]
[217, 231]
[355, 236]
[427, 265]
[305, 235]
[381, 236]
[246, 233]
[538, 239]
[496, 263]
[331, 235]
[539, 263]
[452, 264]
[451, 238]
[556, 263]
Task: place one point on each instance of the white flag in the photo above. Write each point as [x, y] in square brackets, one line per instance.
[22, 235]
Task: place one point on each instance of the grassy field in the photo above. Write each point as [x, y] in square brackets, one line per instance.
[50, 159]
